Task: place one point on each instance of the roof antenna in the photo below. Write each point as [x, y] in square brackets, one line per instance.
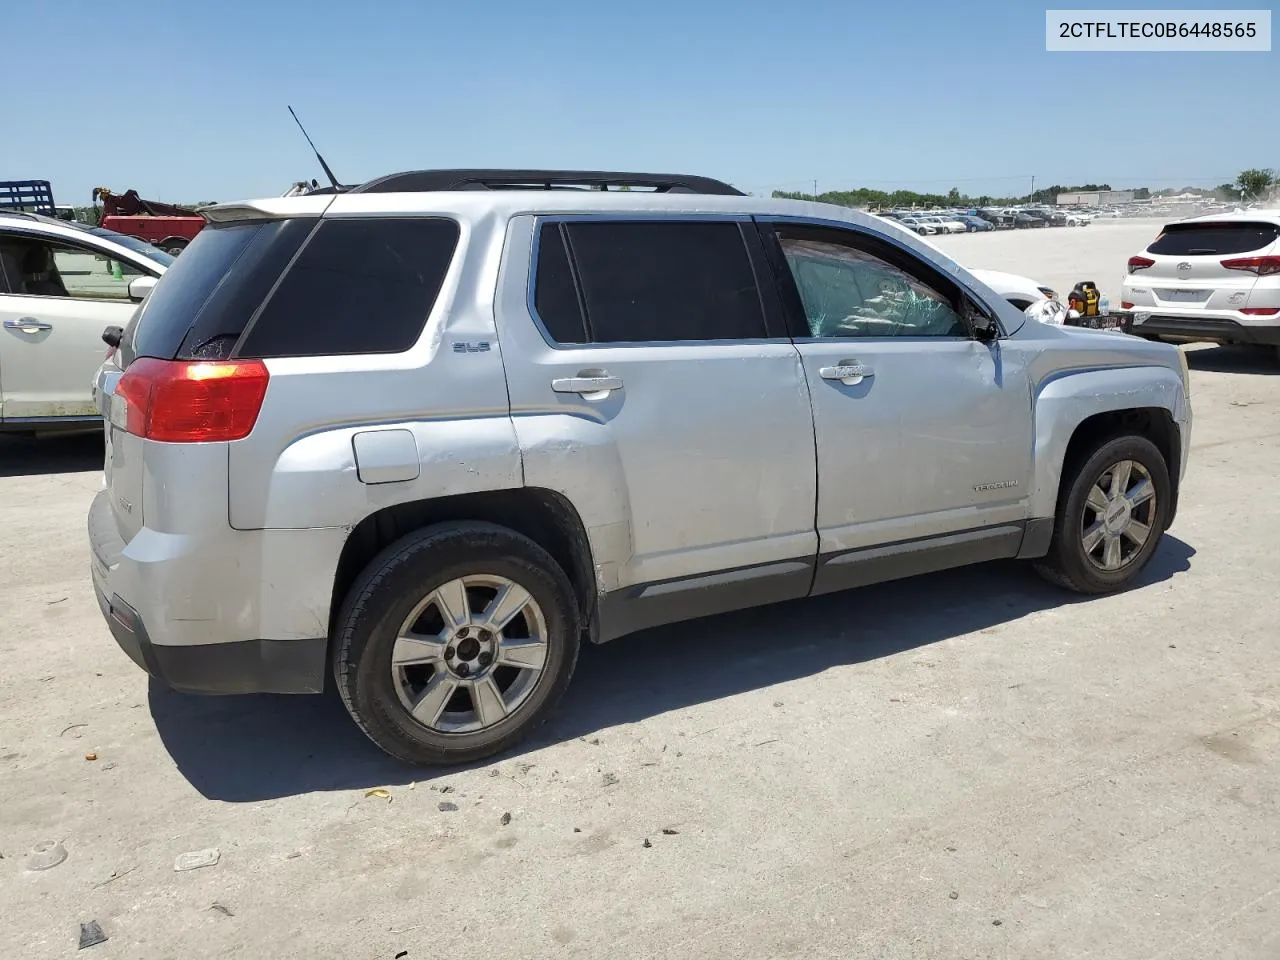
[327, 172]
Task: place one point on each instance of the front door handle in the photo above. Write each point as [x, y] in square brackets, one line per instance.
[848, 372]
[27, 325]
[588, 385]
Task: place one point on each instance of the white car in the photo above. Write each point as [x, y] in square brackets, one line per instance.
[1214, 278]
[951, 224]
[1019, 290]
[943, 224]
[921, 226]
[1079, 219]
[61, 285]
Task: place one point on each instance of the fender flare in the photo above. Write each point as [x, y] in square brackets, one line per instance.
[1064, 402]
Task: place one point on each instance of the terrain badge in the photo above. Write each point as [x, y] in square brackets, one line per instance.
[1001, 485]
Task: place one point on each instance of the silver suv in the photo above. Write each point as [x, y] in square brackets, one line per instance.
[429, 434]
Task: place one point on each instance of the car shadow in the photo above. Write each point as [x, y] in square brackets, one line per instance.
[1235, 358]
[262, 747]
[70, 453]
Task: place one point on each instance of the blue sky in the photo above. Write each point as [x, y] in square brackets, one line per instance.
[186, 101]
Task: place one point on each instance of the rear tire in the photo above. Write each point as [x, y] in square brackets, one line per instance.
[173, 246]
[1111, 516]
[425, 662]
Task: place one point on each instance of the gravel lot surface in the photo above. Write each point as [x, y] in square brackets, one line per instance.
[971, 764]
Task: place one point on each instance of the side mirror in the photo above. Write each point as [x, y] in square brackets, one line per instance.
[983, 324]
[139, 287]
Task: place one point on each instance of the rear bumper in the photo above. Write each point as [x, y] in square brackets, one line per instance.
[246, 666]
[141, 622]
[1212, 329]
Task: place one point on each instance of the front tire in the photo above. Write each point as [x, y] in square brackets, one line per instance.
[455, 642]
[1110, 517]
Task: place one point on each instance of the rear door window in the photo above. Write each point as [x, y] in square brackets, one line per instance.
[358, 286]
[665, 281]
[1213, 239]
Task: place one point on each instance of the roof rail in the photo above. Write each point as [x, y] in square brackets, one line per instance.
[422, 181]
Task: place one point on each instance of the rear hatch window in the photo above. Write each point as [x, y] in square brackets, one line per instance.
[1213, 239]
[296, 288]
[359, 286]
[202, 304]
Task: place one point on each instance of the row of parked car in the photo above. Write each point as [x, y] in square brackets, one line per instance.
[980, 219]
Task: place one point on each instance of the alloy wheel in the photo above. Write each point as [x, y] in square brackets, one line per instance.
[469, 654]
[1118, 515]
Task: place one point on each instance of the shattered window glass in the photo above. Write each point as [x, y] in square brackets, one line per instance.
[847, 292]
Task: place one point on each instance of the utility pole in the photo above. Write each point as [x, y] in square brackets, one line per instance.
[815, 189]
[1032, 198]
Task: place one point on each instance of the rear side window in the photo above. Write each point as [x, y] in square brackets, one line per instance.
[1213, 239]
[555, 295]
[661, 281]
[204, 300]
[359, 286]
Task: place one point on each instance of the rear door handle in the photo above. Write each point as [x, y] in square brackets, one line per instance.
[27, 325]
[589, 387]
[848, 372]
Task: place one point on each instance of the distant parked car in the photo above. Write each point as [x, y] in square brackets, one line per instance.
[975, 224]
[1079, 219]
[997, 218]
[920, 225]
[61, 284]
[946, 223]
[1023, 220]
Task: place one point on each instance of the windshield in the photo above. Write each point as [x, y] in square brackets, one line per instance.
[131, 243]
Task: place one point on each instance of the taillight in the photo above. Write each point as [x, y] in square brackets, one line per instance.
[1262, 266]
[187, 401]
[1126, 305]
[1140, 263]
[1261, 311]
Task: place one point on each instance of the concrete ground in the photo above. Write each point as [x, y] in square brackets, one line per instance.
[965, 765]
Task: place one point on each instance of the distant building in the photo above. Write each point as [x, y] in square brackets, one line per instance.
[1097, 198]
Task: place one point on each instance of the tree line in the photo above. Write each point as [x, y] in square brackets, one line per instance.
[1252, 184]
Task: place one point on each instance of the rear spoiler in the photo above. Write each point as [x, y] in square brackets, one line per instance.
[273, 208]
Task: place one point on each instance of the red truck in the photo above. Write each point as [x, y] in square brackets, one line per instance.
[165, 225]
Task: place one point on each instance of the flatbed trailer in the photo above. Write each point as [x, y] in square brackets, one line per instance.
[28, 196]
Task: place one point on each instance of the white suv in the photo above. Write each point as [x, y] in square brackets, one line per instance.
[1213, 278]
[428, 435]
